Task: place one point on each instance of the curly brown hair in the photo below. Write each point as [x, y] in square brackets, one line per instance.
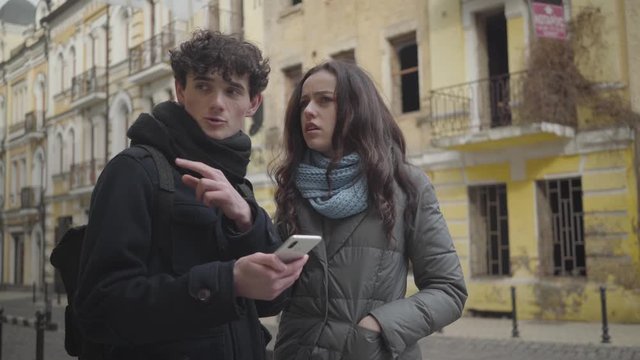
[364, 125]
[211, 51]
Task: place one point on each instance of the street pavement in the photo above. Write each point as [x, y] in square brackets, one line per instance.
[467, 338]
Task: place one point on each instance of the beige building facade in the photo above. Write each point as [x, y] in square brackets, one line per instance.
[107, 63]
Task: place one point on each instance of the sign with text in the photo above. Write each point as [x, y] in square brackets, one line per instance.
[548, 20]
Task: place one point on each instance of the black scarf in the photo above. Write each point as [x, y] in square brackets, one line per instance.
[176, 134]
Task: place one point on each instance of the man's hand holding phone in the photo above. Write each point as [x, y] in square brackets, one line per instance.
[264, 276]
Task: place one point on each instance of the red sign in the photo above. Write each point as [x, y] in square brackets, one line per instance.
[548, 21]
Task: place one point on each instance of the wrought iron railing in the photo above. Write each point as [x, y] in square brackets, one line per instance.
[30, 197]
[85, 174]
[16, 127]
[151, 52]
[477, 105]
[89, 82]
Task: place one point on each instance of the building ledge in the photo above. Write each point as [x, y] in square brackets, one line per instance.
[151, 73]
[89, 100]
[505, 137]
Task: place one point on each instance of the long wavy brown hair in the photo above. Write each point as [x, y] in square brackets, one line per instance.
[364, 125]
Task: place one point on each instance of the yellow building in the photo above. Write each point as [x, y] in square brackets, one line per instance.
[545, 203]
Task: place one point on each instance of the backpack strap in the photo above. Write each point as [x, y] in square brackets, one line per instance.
[164, 202]
[165, 171]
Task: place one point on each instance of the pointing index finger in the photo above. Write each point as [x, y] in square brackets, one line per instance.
[196, 166]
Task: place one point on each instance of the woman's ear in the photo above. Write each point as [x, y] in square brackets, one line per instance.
[255, 104]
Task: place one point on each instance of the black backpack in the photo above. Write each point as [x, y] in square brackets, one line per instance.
[65, 256]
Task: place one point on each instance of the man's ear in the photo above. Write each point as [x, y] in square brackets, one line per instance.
[179, 92]
[255, 104]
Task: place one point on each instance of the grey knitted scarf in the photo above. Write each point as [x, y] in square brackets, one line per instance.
[349, 192]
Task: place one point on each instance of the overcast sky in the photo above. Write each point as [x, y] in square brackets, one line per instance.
[31, 1]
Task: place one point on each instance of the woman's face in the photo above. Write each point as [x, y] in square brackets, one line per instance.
[318, 106]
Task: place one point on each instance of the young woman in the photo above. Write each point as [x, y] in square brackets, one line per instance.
[345, 176]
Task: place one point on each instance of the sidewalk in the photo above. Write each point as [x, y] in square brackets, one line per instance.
[466, 327]
[467, 338]
[563, 332]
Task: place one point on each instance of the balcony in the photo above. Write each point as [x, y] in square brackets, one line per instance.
[84, 175]
[30, 197]
[487, 115]
[89, 87]
[16, 127]
[27, 126]
[150, 60]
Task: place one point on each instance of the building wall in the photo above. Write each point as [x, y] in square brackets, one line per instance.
[452, 53]
[609, 189]
[91, 123]
[605, 164]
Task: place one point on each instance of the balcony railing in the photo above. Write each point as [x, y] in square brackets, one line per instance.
[89, 82]
[85, 174]
[151, 52]
[29, 197]
[477, 105]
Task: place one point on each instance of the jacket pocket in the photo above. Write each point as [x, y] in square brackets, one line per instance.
[367, 344]
[192, 236]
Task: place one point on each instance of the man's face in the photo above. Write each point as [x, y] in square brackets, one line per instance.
[218, 106]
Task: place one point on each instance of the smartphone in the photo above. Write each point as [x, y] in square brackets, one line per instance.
[296, 246]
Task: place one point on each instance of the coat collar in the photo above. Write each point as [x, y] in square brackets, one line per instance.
[334, 232]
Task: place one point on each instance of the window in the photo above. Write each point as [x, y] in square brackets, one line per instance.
[60, 149]
[14, 182]
[120, 31]
[60, 69]
[405, 72]
[20, 102]
[346, 56]
[296, 2]
[18, 259]
[561, 227]
[72, 148]
[489, 230]
[292, 75]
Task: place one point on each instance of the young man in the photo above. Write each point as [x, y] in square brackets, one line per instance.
[199, 295]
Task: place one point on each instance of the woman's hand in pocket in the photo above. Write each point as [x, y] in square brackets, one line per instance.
[370, 323]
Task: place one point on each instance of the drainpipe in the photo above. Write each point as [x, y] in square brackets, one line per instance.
[42, 206]
[106, 102]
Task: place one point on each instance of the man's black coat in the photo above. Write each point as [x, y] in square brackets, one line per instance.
[143, 302]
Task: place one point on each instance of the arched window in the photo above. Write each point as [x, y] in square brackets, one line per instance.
[60, 153]
[40, 87]
[39, 173]
[72, 147]
[120, 35]
[118, 117]
[59, 85]
[72, 66]
[14, 181]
